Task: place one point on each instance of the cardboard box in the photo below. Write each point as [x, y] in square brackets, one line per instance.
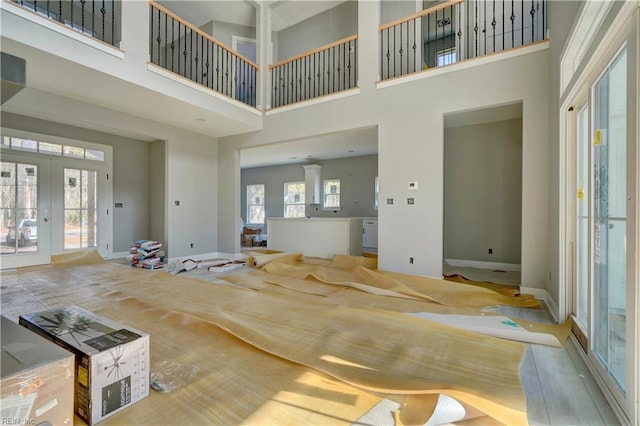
[112, 360]
[36, 379]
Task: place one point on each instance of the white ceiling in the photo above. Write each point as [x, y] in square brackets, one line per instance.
[351, 143]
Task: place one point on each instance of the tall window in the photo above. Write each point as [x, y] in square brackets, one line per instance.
[294, 199]
[331, 194]
[80, 215]
[255, 204]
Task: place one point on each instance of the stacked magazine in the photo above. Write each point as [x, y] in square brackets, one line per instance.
[145, 254]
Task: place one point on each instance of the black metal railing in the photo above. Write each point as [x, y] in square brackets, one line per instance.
[328, 69]
[458, 30]
[182, 48]
[99, 19]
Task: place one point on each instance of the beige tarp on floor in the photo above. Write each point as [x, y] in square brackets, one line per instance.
[268, 358]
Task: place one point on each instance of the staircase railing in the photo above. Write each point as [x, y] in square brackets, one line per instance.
[458, 30]
[100, 19]
[182, 48]
[323, 71]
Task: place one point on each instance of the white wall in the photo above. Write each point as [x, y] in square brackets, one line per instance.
[324, 28]
[409, 117]
[357, 186]
[131, 165]
[483, 191]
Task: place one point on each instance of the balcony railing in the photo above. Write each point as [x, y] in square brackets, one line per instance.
[96, 18]
[184, 49]
[323, 71]
[458, 30]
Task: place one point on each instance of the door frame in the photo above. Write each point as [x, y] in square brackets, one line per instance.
[623, 30]
[105, 202]
[43, 253]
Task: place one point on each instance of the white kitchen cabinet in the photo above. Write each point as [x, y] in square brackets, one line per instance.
[370, 233]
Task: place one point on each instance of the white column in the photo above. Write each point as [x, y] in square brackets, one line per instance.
[368, 48]
[263, 35]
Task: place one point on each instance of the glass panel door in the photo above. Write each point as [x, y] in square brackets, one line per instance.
[80, 208]
[24, 211]
[610, 219]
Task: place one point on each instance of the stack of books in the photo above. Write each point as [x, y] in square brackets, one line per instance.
[145, 254]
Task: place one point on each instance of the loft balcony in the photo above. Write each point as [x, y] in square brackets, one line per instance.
[313, 49]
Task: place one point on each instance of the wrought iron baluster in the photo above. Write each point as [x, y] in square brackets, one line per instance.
[82, 2]
[166, 40]
[415, 56]
[333, 69]
[521, 22]
[503, 27]
[291, 83]
[173, 43]
[349, 66]
[35, 9]
[355, 62]
[217, 68]
[493, 24]
[459, 49]
[544, 27]
[324, 67]
[103, 11]
[400, 50]
[93, 17]
[475, 30]
[48, 13]
[513, 19]
[227, 77]
[388, 54]
[408, 51]
[113, 22]
[158, 38]
[532, 12]
[151, 9]
[344, 66]
[484, 27]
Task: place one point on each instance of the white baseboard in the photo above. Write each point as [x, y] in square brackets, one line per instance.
[119, 255]
[483, 265]
[543, 294]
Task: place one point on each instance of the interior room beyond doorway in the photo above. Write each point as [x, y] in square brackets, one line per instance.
[483, 194]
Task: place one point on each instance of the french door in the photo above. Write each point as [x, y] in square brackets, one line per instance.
[603, 283]
[51, 204]
[25, 209]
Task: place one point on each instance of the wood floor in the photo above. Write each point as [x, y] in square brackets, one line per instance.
[559, 388]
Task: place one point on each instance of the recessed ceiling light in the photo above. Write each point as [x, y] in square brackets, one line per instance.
[199, 119]
[293, 158]
[350, 150]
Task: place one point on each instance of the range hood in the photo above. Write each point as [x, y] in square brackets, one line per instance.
[14, 75]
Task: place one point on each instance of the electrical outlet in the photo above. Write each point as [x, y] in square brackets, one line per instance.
[389, 200]
[191, 245]
[411, 261]
[490, 251]
[410, 201]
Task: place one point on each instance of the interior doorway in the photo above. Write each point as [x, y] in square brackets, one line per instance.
[483, 194]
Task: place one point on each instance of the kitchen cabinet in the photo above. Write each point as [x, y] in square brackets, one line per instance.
[370, 233]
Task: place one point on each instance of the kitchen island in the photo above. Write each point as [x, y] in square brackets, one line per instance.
[316, 236]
